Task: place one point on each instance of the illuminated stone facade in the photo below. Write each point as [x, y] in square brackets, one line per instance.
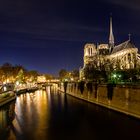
[110, 56]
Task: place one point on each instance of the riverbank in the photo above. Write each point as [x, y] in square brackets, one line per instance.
[7, 97]
[123, 99]
[24, 90]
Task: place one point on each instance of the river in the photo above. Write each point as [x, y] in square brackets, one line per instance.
[50, 115]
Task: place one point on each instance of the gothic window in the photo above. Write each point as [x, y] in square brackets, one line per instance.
[125, 58]
[91, 51]
[134, 56]
[129, 57]
[88, 51]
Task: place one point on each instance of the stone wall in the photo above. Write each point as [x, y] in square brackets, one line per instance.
[125, 99]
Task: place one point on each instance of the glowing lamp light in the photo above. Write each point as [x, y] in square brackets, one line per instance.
[5, 88]
[114, 75]
[17, 83]
[120, 76]
[65, 80]
[72, 79]
[8, 80]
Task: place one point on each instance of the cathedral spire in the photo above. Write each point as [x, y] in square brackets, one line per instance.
[111, 36]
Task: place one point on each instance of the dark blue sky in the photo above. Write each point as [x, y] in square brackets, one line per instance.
[47, 35]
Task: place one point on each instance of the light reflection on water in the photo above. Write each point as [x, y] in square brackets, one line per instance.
[31, 113]
[7, 114]
[47, 114]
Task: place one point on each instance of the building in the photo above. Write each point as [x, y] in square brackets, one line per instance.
[110, 56]
[41, 79]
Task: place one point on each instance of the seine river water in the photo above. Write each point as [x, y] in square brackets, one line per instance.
[50, 115]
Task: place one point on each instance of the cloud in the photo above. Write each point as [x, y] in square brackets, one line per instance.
[130, 4]
[41, 31]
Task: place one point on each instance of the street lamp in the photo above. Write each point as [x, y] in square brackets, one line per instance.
[114, 75]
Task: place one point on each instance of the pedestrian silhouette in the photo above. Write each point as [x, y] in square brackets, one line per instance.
[65, 86]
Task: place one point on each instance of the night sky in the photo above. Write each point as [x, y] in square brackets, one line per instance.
[48, 35]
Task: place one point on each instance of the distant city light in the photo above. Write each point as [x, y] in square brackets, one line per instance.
[41, 79]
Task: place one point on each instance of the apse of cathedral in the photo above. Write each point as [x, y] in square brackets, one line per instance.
[110, 56]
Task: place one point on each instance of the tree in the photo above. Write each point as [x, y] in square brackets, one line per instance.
[20, 76]
[63, 74]
[75, 74]
[1, 76]
[31, 75]
[17, 68]
[48, 76]
[7, 70]
[91, 73]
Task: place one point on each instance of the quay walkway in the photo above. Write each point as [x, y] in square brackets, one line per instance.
[7, 97]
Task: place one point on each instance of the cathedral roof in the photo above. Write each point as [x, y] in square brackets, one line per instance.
[125, 45]
[103, 46]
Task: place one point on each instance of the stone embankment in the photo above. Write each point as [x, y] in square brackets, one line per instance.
[7, 97]
[121, 98]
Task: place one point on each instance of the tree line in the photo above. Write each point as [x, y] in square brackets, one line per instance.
[12, 73]
[106, 74]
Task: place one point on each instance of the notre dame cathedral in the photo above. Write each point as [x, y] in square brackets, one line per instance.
[122, 56]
